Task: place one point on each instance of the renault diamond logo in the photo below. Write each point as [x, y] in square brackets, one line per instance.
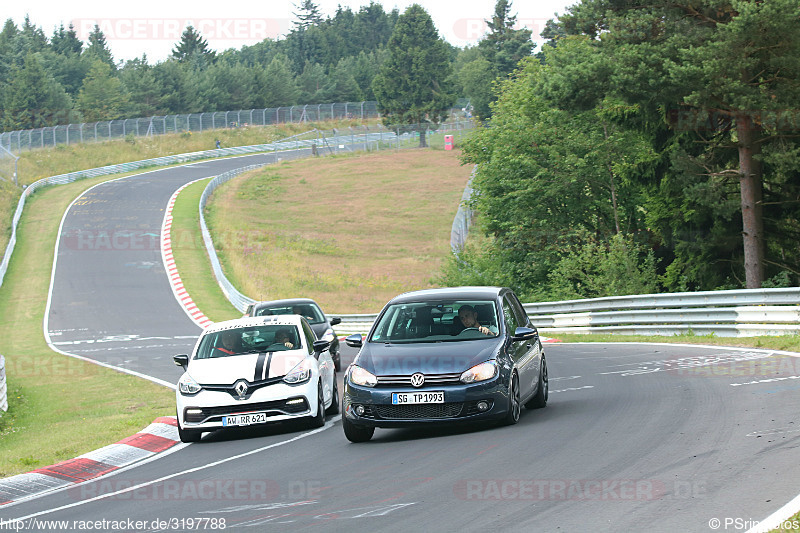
[417, 379]
[241, 389]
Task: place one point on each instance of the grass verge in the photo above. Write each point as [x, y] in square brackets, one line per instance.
[349, 231]
[59, 407]
[790, 343]
[191, 257]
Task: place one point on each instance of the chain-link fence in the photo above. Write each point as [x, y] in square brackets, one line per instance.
[8, 165]
[17, 141]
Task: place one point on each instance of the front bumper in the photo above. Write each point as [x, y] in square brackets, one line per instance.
[205, 410]
[460, 405]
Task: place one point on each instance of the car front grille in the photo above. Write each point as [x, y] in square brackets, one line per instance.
[414, 411]
[423, 411]
[273, 408]
[430, 380]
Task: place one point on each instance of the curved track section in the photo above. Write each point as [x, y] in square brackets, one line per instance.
[636, 437]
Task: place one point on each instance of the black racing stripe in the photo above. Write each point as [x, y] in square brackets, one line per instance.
[260, 366]
[269, 360]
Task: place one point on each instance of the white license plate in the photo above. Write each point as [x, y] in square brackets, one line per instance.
[244, 420]
[402, 398]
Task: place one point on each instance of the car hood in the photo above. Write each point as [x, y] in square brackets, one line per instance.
[429, 358]
[250, 366]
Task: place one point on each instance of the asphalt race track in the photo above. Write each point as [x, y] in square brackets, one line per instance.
[635, 438]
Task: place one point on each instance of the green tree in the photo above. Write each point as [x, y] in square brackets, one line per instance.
[307, 15]
[102, 96]
[98, 48]
[65, 41]
[145, 91]
[314, 85]
[412, 86]
[191, 45]
[33, 98]
[504, 46]
[276, 84]
[722, 74]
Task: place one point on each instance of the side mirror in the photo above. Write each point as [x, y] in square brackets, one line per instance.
[181, 360]
[320, 346]
[354, 341]
[524, 334]
[335, 321]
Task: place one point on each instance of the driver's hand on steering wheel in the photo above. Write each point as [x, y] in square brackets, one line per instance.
[484, 330]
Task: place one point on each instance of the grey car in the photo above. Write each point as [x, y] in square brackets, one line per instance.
[311, 311]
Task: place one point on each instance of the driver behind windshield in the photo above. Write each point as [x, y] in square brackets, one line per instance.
[468, 318]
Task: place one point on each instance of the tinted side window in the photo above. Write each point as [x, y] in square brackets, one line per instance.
[522, 316]
[509, 316]
[310, 337]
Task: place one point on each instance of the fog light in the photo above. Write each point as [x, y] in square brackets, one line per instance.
[359, 410]
[194, 411]
[294, 401]
[483, 406]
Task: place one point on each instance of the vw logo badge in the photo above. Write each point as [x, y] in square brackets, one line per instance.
[417, 379]
[241, 389]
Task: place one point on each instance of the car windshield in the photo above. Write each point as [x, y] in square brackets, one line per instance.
[309, 311]
[454, 320]
[253, 339]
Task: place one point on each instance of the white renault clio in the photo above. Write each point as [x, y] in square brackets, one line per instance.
[255, 370]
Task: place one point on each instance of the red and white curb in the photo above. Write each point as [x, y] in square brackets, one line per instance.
[175, 281]
[159, 436]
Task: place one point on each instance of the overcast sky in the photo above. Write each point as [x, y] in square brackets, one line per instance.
[153, 27]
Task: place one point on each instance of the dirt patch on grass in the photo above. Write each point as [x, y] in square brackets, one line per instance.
[350, 232]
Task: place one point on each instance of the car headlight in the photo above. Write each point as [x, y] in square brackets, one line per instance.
[328, 335]
[186, 385]
[481, 372]
[300, 373]
[359, 376]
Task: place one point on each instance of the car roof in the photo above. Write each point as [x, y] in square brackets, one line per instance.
[460, 293]
[249, 321]
[284, 302]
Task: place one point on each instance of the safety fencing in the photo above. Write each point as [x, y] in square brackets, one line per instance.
[732, 313]
[16, 141]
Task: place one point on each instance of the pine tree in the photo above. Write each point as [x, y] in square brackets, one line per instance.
[504, 46]
[98, 49]
[102, 96]
[66, 42]
[191, 44]
[413, 84]
[33, 98]
[307, 16]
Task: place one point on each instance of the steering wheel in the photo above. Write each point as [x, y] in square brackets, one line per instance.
[468, 329]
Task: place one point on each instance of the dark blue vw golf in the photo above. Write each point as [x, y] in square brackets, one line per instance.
[457, 354]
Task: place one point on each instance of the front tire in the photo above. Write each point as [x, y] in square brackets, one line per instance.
[356, 433]
[319, 420]
[188, 435]
[542, 392]
[334, 407]
[514, 407]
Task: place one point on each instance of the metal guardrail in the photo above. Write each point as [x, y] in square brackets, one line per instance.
[3, 386]
[732, 313]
